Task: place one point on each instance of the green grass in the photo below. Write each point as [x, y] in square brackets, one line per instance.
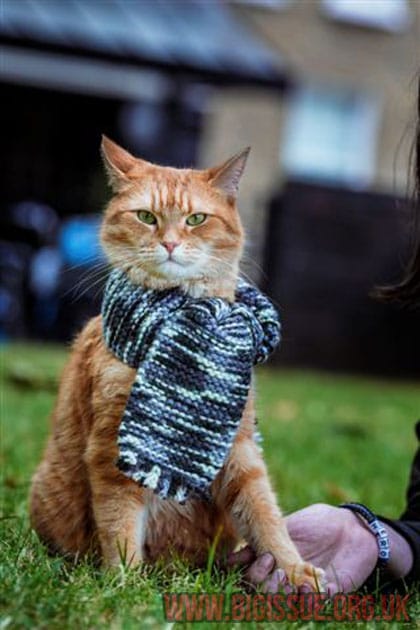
[326, 438]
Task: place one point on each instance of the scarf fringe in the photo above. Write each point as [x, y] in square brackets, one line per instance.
[165, 484]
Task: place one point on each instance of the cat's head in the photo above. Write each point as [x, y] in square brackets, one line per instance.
[172, 227]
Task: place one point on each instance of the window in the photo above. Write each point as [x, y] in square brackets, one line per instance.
[388, 15]
[331, 136]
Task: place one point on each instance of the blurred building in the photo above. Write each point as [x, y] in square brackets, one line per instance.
[323, 90]
[350, 120]
[141, 72]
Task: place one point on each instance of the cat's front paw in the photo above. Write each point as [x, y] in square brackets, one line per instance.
[305, 574]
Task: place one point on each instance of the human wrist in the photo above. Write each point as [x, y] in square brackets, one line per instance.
[393, 552]
[363, 539]
[376, 527]
[401, 555]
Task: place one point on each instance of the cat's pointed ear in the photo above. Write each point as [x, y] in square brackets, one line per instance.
[118, 162]
[227, 176]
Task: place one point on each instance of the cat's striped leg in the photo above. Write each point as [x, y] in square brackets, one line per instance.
[120, 521]
[245, 490]
[119, 509]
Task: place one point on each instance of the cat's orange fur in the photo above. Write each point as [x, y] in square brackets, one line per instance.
[79, 499]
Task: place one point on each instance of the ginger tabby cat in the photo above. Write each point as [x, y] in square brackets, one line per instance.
[164, 227]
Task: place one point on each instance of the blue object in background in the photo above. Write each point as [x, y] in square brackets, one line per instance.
[79, 241]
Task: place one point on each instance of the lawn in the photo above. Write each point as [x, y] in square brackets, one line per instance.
[326, 438]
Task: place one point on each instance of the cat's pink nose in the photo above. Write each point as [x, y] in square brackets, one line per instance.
[170, 245]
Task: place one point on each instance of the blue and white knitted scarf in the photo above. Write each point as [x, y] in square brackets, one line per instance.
[194, 359]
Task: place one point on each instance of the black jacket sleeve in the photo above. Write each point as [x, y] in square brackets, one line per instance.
[408, 525]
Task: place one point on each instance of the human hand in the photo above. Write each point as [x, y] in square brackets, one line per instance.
[332, 538]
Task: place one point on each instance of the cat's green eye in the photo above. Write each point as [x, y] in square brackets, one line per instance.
[146, 217]
[196, 219]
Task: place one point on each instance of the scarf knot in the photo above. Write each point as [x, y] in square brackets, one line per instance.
[194, 361]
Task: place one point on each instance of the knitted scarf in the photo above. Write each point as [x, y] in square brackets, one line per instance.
[194, 359]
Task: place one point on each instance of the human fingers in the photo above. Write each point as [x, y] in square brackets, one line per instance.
[260, 569]
[242, 557]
